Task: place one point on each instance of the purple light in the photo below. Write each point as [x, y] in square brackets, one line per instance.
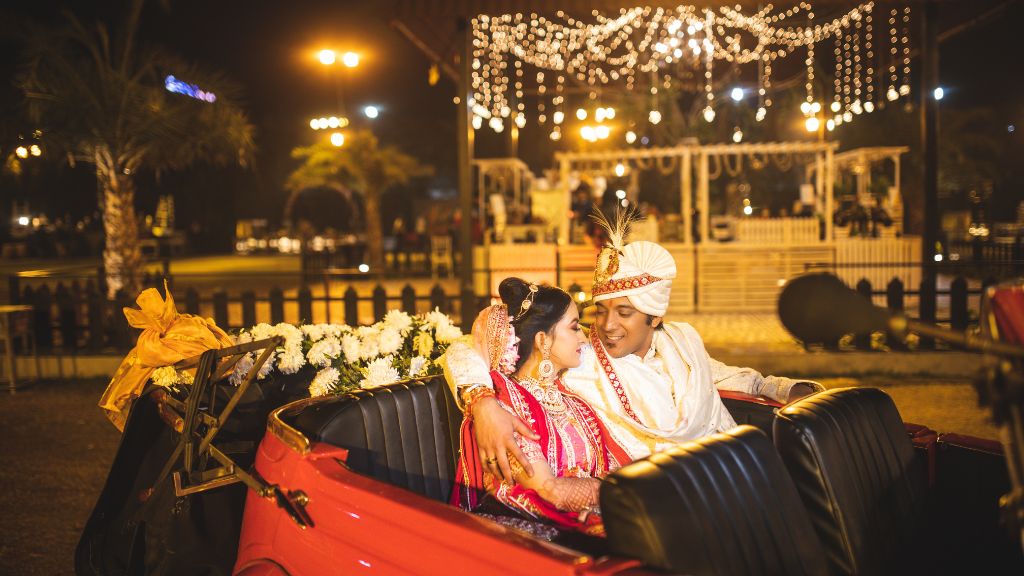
[172, 84]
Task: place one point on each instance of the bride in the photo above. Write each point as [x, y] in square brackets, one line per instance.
[528, 340]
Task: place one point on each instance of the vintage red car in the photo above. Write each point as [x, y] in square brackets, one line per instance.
[255, 480]
[360, 482]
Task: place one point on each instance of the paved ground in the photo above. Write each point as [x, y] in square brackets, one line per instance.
[55, 449]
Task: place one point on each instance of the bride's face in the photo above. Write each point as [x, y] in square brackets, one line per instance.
[566, 340]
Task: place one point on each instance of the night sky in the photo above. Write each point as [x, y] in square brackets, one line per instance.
[269, 49]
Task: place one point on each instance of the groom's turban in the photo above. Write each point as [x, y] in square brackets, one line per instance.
[642, 271]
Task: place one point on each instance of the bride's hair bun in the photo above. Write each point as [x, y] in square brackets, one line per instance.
[547, 308]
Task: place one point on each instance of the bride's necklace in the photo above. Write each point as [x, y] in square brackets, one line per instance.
[546, 393]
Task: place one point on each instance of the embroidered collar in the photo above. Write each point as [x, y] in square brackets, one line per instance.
[606, 364]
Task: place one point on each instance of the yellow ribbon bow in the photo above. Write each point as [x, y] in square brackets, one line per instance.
[167, 338]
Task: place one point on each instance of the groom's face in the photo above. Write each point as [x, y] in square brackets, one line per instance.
[622, 328]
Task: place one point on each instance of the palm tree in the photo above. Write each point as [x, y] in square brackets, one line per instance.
[102, 101]
[361, 165]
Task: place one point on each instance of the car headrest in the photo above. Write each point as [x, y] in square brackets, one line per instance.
[720, 505]
[405, 434]
[854, 466]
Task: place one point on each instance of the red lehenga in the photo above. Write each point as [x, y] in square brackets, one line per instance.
[572, 441]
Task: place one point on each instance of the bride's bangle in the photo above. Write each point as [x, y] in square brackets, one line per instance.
[473, 395]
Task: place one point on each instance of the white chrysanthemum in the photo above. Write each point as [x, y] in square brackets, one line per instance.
[243, 338]
[313, 332]
[435, 318]
[241, 370]
[364, 331]
[324, 382]
[424, 344]
[380, 372]
[323, 352]
[398, 320]
[370, 347]
[261, 331]
[292, 335]
[335, 330]
[448, 333]
[390, 341]
[267, 367]
[165, 376]
[351, 345]
[417, 365]
[185, 377]
[290, 361]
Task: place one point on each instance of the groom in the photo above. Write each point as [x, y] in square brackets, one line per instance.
[651, 382]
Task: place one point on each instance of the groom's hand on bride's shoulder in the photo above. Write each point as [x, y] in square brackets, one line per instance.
[494, 427]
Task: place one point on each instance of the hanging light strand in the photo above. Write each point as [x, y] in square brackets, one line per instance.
[613, 48]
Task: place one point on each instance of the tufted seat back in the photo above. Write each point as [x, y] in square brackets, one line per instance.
[721, 505]
[854, 466]
[405, 434]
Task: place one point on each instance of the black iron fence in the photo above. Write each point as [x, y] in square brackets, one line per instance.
[72, 315]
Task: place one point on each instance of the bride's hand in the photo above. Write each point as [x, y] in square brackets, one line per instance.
[493, 426]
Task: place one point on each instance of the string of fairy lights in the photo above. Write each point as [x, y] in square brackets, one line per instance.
[521, 59]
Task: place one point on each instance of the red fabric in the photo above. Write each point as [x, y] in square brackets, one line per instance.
[471, 475]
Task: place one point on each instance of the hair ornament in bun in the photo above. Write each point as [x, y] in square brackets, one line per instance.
[527, 302]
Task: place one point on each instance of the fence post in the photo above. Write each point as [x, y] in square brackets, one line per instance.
[122, 335]
[351, 306]
[14, 285]
[248, 309]
[958, 304]
[863, 341]
[409, 299]
[895, 293]
[276, 305]
[97, 316]
[438, 299]
[220, 309]
[305, 305]
[380, 303]
[42, 325]
[66, 318]
[926, 311]
[192, 301]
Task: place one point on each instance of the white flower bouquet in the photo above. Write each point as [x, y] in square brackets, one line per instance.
[398, 347]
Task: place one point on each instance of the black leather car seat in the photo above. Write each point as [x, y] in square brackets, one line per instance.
[722, 505]
[405, 434]
[854, 466]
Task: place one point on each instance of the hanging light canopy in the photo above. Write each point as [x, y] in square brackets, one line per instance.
[652, 46]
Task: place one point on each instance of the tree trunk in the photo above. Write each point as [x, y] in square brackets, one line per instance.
[374, 237]
[122, 260]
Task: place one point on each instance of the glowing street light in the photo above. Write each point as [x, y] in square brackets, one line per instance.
[327, 57]
[21, 151]
[736, 94]
[350, 59]
[812, 124]
[631, 137]
[371, 112]
[338, 139]
[939, 93]
[35, 150]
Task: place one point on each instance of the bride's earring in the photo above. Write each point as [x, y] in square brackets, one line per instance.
[546, 367]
